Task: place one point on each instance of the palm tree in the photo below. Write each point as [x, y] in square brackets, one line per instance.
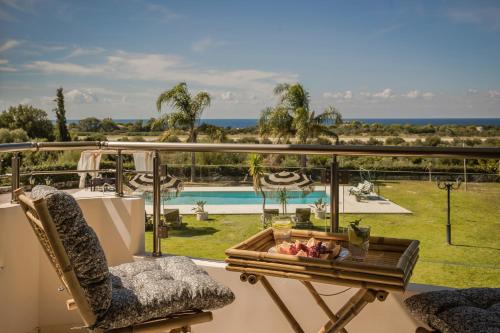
[256, 170]
[187, 112]
[308, 125]
[276, 123]
[292, 116]
[293, 96]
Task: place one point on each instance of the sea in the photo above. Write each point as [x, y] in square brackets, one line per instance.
[242, 123]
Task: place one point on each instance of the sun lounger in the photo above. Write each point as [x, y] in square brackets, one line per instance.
[172, 218]
[267, 216]
[363, 189]
[302, 218]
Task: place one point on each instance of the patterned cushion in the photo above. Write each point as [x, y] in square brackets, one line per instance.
[456, 311]
[82, 246]
[151, 289]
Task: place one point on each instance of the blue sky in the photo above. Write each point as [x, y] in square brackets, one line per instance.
[370, 59]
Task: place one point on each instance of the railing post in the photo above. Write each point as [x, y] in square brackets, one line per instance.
[334, 195]
[16, 176]
[119, 174]
[156, 205]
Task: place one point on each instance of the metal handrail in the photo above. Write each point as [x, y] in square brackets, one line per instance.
[328, 150]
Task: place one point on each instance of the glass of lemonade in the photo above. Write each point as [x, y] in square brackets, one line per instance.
[359, 241]
[282, 229]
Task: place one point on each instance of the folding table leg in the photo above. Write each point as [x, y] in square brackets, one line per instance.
[354, 306]
[277, 300]
[317, 297]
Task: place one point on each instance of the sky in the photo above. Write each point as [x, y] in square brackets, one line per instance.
[369, 59]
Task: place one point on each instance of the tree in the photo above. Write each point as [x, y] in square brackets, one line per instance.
[308, 125]
[136, 126]
[108, 125]
[32, 120]
[157, 124]
[276, 123]
[62, 129]
[90, 124]
[17, 135]
[187, 114]
[256, 170]
[292, 116]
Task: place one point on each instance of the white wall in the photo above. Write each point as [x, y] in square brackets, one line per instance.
[28, 284]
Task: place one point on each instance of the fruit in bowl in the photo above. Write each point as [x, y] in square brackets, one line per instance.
[312, 249]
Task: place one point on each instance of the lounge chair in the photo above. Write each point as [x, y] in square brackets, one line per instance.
[169, 293]
[302, 218]
[363, 189]
[103, 182]
[267, 216]
[172, 218]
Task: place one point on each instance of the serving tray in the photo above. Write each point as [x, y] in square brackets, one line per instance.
[388, 264]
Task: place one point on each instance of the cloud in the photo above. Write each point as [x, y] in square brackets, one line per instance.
[205, 44]
[171, 68]
[481, 15]
[494, 94]
[227, 96]
[20, 5]
[63, 68]
[202, 44]
[4, 66]
[11, 43]
[346, 96]
[415, 94]
[79, 51]
[472, 91]
[164, 13]
[387, 93]
[428, 95]
[76, 96]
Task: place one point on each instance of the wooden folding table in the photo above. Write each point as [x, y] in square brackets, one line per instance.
[386, 268]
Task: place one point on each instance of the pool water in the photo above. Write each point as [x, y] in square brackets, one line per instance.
[238, 198]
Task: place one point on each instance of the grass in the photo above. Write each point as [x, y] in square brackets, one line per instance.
[472, 260]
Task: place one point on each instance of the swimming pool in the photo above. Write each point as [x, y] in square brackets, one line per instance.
[237, 198]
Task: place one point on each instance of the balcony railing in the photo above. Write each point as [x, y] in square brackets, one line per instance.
[334, 151]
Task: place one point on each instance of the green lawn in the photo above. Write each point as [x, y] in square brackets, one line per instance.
[473, 260]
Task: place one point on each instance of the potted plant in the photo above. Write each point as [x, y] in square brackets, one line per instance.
[319, 209]
[199, 210]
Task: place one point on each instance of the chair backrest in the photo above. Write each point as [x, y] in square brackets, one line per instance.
[171, 215]
[40, 220]
[303, 214]
[367, 186]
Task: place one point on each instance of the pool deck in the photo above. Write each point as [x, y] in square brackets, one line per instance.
[373, 204]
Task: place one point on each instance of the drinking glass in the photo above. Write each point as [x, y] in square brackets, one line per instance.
[359, 241]
[282, 229]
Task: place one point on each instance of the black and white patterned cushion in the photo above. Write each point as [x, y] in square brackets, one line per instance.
[151, 289]
[458, 311]
[82, 246]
